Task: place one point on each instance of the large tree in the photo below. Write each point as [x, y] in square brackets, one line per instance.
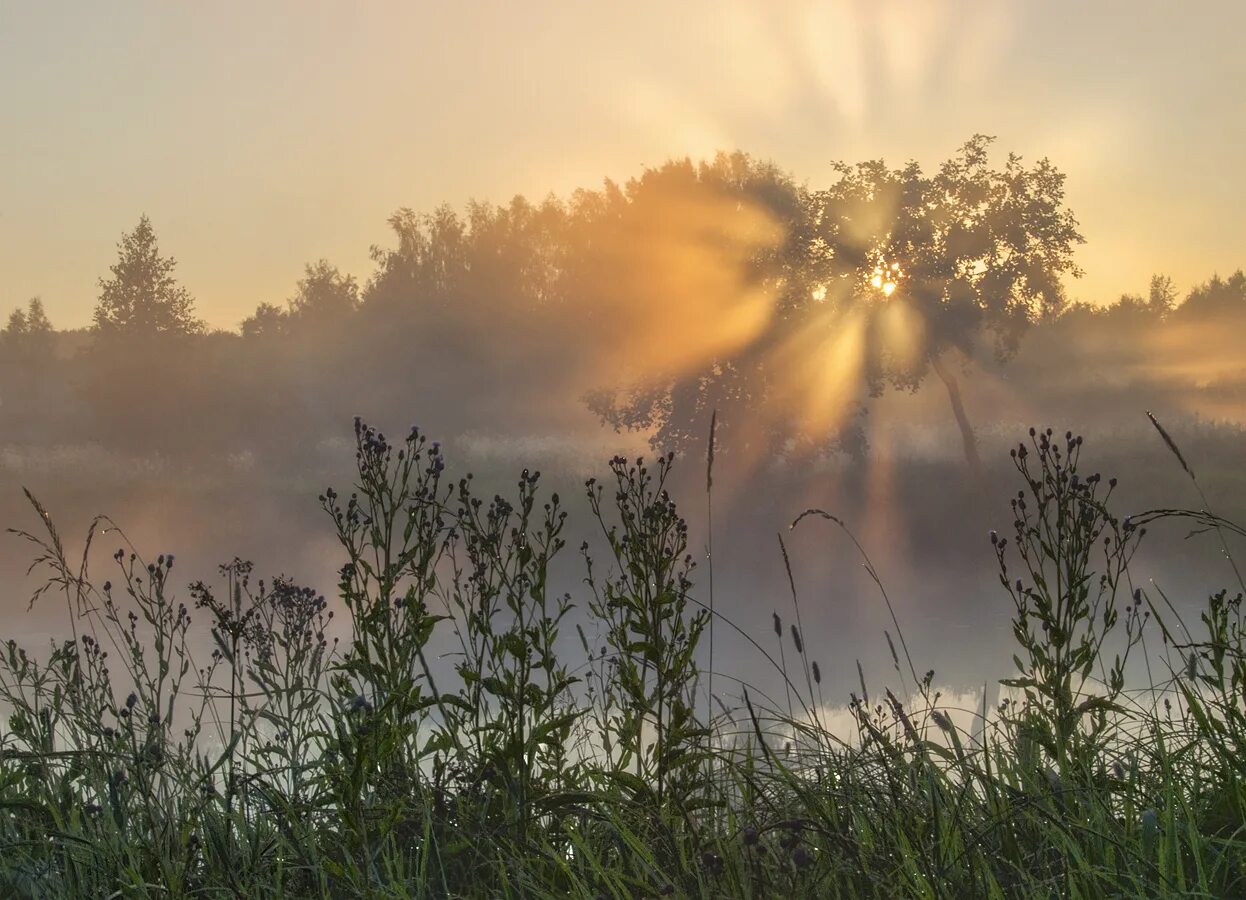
[885, 276]
[690, 272]
[142, 298]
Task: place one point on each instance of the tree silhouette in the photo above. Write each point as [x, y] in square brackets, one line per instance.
[696, 248]
[324, 297]
[1216, 298]
[974, 249]
[944, 258]
[142, 298]
[28, 337]
[268, 320]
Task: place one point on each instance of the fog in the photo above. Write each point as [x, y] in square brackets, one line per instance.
[845, 364]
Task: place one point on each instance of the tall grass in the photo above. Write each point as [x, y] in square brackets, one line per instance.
[435, 738]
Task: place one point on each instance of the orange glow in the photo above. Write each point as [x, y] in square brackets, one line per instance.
[673, 285]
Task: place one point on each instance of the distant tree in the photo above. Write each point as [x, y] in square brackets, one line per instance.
[267, 320]
[15, 330]
[324, 297]
[1162, 298]
[426, 269]
[945, 258]
[28, 336]
[142, 298]
[1216, 298]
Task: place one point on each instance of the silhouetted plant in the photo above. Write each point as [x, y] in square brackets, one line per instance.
[437, 744]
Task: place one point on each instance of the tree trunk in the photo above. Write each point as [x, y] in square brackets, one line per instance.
[958, 410]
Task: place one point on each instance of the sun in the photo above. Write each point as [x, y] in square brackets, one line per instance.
[886, 278]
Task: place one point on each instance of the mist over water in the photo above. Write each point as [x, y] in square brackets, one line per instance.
[871, 344]
[917, 511]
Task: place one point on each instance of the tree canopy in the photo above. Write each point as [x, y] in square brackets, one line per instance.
[142, 298]
[882, 277]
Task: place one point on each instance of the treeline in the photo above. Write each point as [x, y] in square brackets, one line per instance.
[688, 289]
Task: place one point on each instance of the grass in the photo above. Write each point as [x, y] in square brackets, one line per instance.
[428, 734]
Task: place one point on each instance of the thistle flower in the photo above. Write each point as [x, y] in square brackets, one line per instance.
[712, 863]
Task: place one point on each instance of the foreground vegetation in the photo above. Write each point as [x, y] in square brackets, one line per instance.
[461, 729]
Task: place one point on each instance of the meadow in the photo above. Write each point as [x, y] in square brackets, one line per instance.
[424, 730]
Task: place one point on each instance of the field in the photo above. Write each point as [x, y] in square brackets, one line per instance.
[321, 755]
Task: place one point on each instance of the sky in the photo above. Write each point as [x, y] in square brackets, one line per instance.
[262, 136]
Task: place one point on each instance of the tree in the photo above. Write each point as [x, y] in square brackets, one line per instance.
[691, 271]
[1216, 299]
[324, 297]
[29, 335]
[1162, 298]
[885, 276]
[267, 320]
[142, 298]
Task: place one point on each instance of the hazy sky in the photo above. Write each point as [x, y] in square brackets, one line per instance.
[262, 135]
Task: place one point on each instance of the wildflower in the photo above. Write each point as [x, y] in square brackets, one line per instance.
[802, 857]
[712, 862]
[131, 701]
[751, 836]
